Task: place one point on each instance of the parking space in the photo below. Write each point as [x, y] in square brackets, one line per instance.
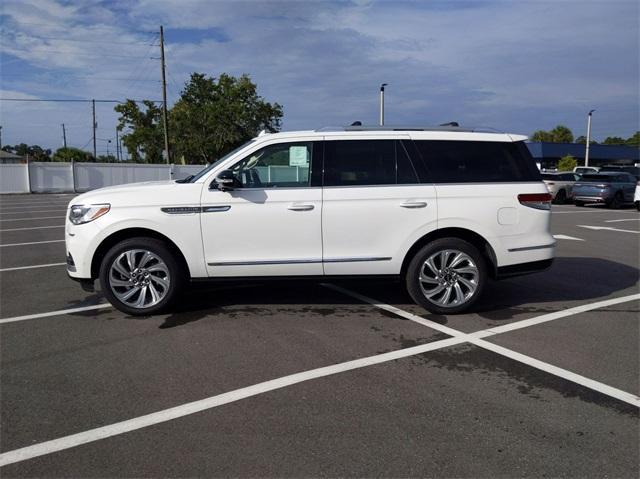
[311, 379]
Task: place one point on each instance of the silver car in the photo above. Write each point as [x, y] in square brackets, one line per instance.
[611, 189]
[560, 185]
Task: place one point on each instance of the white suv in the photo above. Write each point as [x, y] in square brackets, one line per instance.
[442, 208]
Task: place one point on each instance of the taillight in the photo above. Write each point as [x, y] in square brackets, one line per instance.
[539, 201]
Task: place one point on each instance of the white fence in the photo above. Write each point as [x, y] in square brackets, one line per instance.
[49, 177]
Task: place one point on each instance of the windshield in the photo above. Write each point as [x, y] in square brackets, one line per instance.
[206, 170]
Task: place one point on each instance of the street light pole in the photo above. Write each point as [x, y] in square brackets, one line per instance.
[382, 103]
[586, 152]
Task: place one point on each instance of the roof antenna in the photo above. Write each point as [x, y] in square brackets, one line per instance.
[356, 123]
[451, 123]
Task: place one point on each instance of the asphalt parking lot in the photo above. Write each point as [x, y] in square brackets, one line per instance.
[340, 379]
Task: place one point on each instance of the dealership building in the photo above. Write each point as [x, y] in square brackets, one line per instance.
[548, 154]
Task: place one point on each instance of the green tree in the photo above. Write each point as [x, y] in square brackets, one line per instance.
[107, 158]
[214, 116]
[71, 154]
[33, 152]
[144, 137]
[634, 140]
[567, 163]
[560, 134]
[541, 136]
[582, 140]
[613, 140]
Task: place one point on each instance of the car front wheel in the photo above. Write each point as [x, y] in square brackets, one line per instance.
[446, 276]
[140, 276]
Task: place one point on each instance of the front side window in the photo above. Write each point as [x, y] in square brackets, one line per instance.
[367, 162]
[284, 165]
[478, 161]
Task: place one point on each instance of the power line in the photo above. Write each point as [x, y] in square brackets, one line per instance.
[74, 100]
[86, 77]
[73, 52]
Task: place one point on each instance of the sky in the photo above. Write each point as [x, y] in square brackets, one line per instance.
[516, 66]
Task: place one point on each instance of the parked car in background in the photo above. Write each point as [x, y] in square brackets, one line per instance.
[611, 189]
[560, 185]
[636, 196]
[582, 170]
[632, 170]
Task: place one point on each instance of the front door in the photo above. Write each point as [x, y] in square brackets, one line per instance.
[269, 224]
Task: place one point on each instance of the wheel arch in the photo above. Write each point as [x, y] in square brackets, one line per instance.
[127, 233]
[462, 233]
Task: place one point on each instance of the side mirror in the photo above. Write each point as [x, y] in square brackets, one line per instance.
[225, 180]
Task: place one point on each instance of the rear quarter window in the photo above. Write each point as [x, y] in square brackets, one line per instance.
[477, 161]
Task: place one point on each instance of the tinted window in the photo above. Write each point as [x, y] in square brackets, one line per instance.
[282, 165]
[547, 176]
[478, 161]
[597, 177]
[367, 162]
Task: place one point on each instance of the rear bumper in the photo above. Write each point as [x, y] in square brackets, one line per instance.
[523, 268]
[590, 199]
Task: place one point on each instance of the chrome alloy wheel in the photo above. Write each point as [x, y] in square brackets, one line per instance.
[139, 278]
[449, 278]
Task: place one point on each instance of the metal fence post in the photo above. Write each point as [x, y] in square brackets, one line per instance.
[73, 175]
[28, 176]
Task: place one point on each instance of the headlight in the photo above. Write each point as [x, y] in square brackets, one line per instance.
[80, 214]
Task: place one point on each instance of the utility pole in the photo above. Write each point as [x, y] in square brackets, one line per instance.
[64, 137]
[95, 125]
[382, 103]
[586, 152]
[117, 145]
[164, 97]
[0, 137]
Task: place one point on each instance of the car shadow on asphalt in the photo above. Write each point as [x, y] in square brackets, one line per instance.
[569, 279]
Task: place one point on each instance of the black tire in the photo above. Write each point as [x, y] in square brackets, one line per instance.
[418, 263]
[617, 201]
[638, 205]
[561, 198]
[578, 203]
[175, 275]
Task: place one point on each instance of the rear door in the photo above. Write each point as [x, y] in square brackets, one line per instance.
[372, 203]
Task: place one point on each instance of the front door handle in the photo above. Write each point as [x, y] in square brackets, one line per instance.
[299, 207]
[414, 204]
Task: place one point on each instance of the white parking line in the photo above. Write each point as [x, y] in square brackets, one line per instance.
[30, 243]
[59, 210]
[39, 218]
[626, 219]
[473, 338]
[525, 323]
[54, 313]
[592, 211]
[183, 410]
[165, 415]
[607, 228]
[32, 267]
[565, 237]
[32, 228]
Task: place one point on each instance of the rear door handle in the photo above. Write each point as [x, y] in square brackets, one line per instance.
[299, 207]
[414, 204]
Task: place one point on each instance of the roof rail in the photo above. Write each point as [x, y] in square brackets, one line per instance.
[453, 126]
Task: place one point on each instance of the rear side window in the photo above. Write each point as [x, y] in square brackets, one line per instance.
[367, 162]
[477, 161]
[597, 177]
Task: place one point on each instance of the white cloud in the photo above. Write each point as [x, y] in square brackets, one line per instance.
[513, 65]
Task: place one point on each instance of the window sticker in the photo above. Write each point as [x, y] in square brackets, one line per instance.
[298, 156]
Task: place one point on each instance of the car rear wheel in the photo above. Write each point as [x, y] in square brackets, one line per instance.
[446, 276]
[617, 201]
[561, 197]
[140, 276]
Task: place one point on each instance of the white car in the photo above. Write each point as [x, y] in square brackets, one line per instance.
[442, 208]
[636, 196]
